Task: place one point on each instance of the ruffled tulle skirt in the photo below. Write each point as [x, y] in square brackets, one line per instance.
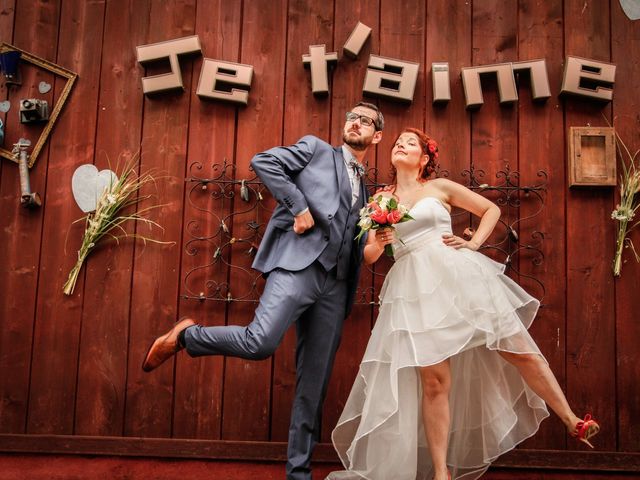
[439, 303]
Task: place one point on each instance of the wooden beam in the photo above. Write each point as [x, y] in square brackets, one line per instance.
[276, 451]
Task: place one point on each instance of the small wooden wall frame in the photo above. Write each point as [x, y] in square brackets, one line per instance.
[55, 111]
[592, 156]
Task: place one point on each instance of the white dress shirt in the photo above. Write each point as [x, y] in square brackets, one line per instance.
[353, 178]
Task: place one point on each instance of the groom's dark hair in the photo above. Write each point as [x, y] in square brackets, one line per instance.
[379, 121]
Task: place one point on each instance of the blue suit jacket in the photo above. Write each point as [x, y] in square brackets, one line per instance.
[306, 174]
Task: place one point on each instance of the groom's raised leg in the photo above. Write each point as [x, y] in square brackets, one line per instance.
[286, 295]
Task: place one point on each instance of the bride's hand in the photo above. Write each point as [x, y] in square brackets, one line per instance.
[384, 236]
[376, 241]
[456, 242]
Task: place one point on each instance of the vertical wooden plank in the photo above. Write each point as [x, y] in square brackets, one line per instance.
[540, 141]
[626, 105]
[154, 303]
[590, 239]
[247, 383]
[449, 123]
[20, 233]
[402, 36]
[56, 336]
[7, 16]
[347, 91]
[22, 229]
[494, 136]
[107, 287]
[212, 127]
[309, 23]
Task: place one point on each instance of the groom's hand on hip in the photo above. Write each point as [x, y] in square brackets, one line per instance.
[303, 222]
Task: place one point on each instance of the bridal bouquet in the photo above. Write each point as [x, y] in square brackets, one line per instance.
[382, 212]
[629, 203]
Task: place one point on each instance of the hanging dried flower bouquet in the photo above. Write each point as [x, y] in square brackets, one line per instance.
[629, 203]
[108, 218]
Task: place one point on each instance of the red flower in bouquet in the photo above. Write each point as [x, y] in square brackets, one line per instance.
[379, 217]
[394, 216]
[382, 212]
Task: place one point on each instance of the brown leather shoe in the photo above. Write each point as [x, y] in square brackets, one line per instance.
[166, 346]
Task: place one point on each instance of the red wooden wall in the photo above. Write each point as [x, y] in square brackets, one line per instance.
[70, 366]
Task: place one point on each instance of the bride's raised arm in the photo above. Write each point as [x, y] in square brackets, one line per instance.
[460, 196]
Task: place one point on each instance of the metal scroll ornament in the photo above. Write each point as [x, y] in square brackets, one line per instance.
[226, 217]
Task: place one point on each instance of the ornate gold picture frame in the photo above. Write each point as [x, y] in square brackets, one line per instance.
[55, 112]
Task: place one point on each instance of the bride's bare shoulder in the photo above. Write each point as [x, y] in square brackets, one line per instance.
[441, 182]
[445, 185]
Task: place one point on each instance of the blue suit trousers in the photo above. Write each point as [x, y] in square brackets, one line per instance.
[316, 301]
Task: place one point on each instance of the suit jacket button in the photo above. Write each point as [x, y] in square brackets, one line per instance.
[330, 217]
[326, 237]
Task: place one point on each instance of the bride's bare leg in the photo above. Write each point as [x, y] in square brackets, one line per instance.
[542, 381]
[436, 383]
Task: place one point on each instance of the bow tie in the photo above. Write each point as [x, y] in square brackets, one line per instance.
[358, 168]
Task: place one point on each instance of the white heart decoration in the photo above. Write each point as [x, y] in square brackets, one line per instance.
[5, 106]
[88, 184]
[631, 8]
[44, 87]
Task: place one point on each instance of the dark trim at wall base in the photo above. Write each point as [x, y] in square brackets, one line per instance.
[276, 451]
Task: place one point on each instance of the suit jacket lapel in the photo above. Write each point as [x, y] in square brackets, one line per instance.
[338, 160]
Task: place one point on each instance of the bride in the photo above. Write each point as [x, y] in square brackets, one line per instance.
[450, 379]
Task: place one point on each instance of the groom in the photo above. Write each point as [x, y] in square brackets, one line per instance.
[311, 262]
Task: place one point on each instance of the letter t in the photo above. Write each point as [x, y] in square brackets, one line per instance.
[318, 61]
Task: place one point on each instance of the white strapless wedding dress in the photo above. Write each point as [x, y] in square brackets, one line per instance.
[437, 303]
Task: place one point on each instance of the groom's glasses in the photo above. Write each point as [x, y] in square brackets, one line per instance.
[364, 120]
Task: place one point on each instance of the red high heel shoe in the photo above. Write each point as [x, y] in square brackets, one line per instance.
[585, 429]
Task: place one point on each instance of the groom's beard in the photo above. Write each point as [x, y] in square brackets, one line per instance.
[359, 144]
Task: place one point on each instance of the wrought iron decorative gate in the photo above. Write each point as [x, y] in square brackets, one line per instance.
[222, 198]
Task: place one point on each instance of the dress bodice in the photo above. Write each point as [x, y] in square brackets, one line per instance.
[431, 221]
